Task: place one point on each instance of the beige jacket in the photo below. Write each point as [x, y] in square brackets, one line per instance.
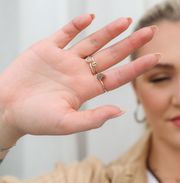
[129, 168]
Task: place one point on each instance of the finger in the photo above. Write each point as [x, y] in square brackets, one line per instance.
[69, 31]
[126, 73]
[91, 119]
[114, 54]
[97, 40]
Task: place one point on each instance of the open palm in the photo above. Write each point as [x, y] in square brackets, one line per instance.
[46, 85]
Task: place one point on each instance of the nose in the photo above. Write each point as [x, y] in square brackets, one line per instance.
[176, 95]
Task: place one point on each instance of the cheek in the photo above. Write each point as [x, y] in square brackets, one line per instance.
[155, 102]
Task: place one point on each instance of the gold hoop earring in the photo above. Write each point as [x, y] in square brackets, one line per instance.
[136, 115]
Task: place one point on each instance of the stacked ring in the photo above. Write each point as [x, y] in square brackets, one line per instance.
[94, 71]
[100, 76]
[92, 64]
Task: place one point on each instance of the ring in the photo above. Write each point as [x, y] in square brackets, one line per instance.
[100, 76]
[92, 64]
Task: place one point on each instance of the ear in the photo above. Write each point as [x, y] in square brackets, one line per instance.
[133, 83]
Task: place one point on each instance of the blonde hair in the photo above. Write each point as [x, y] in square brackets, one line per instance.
[167, 10]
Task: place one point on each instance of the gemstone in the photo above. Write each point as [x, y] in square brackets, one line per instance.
[100, 76]
[94, 64]
[89, 59]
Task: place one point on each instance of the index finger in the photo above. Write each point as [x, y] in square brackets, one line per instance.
[128, 72]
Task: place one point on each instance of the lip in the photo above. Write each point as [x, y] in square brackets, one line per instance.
[176, 120]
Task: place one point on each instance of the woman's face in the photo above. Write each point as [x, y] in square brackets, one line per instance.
[158, 90]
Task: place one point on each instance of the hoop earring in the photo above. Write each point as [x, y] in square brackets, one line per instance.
[136, 115]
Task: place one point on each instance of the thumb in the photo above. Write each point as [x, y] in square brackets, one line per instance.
[90, 119]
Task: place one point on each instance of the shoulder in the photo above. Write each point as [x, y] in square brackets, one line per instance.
[88, 163]
[87, 171]
[129, 165]
[138, 153]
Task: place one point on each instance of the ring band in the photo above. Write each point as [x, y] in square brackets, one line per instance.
[92, 64]
[100, 76]
[94, 71]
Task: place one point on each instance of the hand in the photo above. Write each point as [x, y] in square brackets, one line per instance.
[42, 90]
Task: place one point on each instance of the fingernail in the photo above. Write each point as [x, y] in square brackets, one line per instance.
[154, 28]
[130, 20]
[159, 56]
[93, 16]
[117, 115]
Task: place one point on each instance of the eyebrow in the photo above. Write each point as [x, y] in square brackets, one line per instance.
[165, 66]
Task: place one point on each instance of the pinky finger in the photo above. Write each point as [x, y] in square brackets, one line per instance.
[62, 37]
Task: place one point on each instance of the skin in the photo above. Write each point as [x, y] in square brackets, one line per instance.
[42, 90]
[158, 90]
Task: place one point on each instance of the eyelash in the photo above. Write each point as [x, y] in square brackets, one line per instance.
[159, 80]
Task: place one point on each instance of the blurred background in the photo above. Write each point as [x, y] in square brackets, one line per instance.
[24, 22]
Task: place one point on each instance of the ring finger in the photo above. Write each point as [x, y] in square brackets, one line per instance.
[97, 40]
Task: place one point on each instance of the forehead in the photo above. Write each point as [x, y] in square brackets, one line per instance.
[166, 41]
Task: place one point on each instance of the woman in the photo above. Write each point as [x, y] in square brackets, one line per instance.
[158, 91]
[46, 99]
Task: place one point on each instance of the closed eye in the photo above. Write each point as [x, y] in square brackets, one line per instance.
[156, 80]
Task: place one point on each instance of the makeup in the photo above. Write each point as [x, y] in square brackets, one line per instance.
[176, 120]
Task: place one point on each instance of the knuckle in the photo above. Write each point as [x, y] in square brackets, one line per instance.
[67, 33]
[136, 73]
[75, 26]
[131, 43]
[118, 76]
[94, 116]
[94, 42]
[70, 33]
[108, 32]
[117, 27]
[114, 54]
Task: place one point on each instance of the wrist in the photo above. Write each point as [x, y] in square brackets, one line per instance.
[7, 138]
[8, 135]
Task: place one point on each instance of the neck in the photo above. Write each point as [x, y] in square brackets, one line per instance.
[164, 161]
